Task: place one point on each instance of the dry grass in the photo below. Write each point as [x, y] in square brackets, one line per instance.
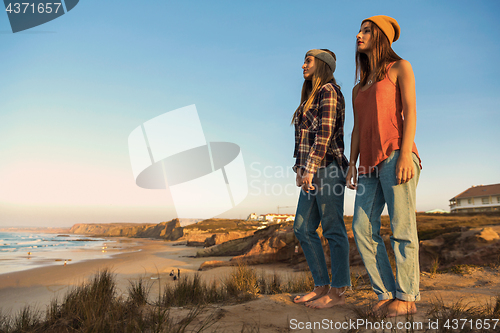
[477, 316]
[94, 307]
[138, 291]
[432, 225]
[223, 225]
[434, 267]
[191, 290]
[359, 281]
[242, 283]
[464, 269]
[270, 284]
[370, 318]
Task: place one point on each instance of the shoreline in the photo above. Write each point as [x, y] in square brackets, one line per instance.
[145, 258]
[39, 256]
[149, 258]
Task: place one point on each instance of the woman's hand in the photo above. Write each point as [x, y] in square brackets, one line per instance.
[404, 168]
[307, 181]
[406, 81]
[298, 178]
[352, 177]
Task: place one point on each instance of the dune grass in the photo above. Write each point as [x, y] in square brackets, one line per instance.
[480, 318]
[191, 290]
[449, 318]
[95, 306]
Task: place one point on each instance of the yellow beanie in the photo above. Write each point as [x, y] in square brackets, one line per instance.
[387, 24]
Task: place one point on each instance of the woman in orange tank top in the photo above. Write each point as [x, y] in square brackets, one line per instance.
[384, 105]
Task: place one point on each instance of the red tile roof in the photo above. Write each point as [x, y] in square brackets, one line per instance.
[479, 191]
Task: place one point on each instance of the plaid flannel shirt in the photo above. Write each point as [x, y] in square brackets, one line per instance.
[319, 131]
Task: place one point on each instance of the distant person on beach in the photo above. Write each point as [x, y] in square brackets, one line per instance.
[385, 119]
[320, 161]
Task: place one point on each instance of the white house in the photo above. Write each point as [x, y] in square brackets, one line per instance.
[277, 217]
[253, 216]
[266, 218]
[480, 198]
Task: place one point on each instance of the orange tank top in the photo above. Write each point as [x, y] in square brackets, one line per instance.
[380, 119]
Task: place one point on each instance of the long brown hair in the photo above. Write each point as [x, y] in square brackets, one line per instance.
[381, 55]
[321, 76]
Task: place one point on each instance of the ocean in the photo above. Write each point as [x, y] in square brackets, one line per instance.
[26, 250]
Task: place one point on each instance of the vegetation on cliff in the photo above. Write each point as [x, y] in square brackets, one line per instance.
[445, 239]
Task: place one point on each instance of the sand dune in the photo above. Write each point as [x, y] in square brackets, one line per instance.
[275, 313]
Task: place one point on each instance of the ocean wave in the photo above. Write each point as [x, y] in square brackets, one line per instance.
[30, 242]
[9, 249]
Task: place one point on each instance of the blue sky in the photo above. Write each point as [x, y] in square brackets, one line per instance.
[74, 88]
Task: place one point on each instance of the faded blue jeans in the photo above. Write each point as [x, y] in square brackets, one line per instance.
[326, 205]
[374, 191]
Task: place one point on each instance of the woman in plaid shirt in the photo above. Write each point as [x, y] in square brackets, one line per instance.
[320, 161]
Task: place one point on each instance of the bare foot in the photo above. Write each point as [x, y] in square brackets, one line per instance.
[380, 309]
[334, 297]
[315, 294]
[401, 308]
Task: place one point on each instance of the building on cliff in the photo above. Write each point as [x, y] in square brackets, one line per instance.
[253, 217]
[266, 218]
[480, 198]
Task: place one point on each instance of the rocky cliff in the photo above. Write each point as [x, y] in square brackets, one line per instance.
[448, 246]
[171, 230]
[447, 240]
[274, 243]
[205, 233]
[468, 246]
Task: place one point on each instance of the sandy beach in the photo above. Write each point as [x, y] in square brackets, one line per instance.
[268, 313]
[143, 258]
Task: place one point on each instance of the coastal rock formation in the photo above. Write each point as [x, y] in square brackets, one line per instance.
[205, 233]
[215, 263]
[220, 238]
[453, 246]
[166, 230]
[274, 243]
[215, 231]
[201, 239]
[475, 246]
[447, 240]
[109, 229]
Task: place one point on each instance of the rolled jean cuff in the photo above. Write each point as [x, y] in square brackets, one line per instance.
[345, 285]
[407, 298]
[322, 284]
[385, 296]
[346, 289]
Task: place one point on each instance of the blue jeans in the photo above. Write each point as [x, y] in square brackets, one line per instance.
[326, 205]
[374, 191]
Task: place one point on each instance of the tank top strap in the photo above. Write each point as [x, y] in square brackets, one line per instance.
[388, 68]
